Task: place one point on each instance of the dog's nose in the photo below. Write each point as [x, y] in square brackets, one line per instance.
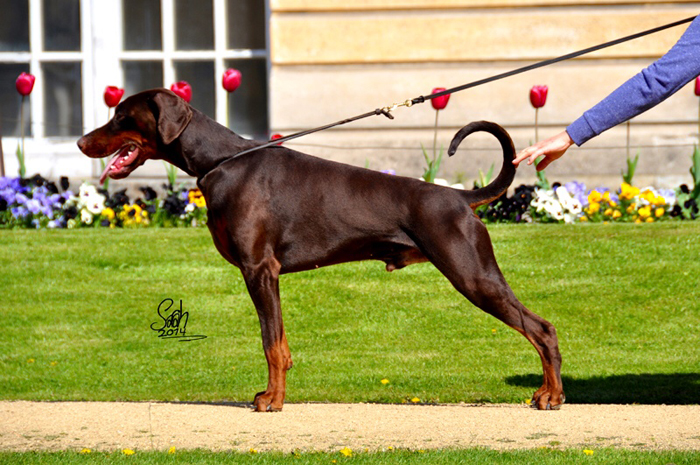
[81, 144]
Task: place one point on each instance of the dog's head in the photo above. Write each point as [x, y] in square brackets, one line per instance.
[142, 126]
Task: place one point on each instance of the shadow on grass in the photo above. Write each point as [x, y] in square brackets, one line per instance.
[645, 388]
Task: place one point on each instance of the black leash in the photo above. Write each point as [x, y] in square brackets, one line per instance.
[386, 111]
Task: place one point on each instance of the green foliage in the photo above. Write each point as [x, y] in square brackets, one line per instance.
[473, 456]
[171, 171]
[695, 173]
[688, 199]
[20, 160]
[631, 168]
[103, 165]
[432, 165]
[484, 179]
[542, 181]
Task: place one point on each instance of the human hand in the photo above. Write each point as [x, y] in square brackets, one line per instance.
[552, 149]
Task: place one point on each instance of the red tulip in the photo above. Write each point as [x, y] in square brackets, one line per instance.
[697, 86]
[275, 137]
[113, 95]
[439, 103]
[538, 96]
[183, 90]
[25, 84]
[231, 79]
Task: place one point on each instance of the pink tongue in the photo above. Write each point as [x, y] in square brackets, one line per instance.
[121, 154]
[108, 168]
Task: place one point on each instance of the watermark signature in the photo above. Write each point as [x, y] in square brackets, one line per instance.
[174, 324]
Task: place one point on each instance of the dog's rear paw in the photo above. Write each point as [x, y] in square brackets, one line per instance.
[546, 400]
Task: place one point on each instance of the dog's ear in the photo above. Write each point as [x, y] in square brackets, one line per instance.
[172, 115]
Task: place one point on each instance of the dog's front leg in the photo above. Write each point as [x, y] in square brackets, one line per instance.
[262, 281]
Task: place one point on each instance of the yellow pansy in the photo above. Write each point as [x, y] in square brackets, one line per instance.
[659, 212]
[108, 213]
[593, 208]
[595, 197]
[616, 214]
[644, 212]
[196, 197]
[628, 192]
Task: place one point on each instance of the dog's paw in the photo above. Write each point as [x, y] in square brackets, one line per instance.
[266, 402]
[546, 400]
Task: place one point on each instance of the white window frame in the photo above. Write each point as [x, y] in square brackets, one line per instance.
[101, 58]
[168, 55]
[37, 56]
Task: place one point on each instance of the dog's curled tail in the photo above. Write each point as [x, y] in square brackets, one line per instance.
[504, 179]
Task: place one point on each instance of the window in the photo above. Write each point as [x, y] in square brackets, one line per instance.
[165, 41]
[43, 37]
[77, 47]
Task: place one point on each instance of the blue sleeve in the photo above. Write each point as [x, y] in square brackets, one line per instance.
[650, 87]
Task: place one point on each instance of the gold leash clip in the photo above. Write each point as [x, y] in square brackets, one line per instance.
[394, 106]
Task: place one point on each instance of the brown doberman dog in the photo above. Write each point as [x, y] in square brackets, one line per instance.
[278, 211]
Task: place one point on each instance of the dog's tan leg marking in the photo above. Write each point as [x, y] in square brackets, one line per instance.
[263, 285]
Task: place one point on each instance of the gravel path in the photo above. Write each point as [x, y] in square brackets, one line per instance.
[150, 425]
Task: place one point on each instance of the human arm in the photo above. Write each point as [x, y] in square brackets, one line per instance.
[645, 90]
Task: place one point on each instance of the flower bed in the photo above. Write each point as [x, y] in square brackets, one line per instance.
[572, 202]
[38, 203]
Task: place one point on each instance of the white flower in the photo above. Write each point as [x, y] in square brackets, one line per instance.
[85, 216]
[555, 211]
[457, 186]
[441, 182]
[91, 199]
[569, 204]
[86, 191]
[543, 199]
[96, 204]
[189, 208]
[570, 218]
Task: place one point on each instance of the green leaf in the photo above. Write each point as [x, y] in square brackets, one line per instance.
[695, 172]
[542, 181]
[171, 171]
[631, 168]
[102, 168]
[20, 159]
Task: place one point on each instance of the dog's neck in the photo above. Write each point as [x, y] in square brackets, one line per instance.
[197, 154]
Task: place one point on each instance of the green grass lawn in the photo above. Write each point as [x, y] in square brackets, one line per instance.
[77, 307]
[399, 457]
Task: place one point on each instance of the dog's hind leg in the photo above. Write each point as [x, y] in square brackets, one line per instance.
[465, 256]
[262, 281]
